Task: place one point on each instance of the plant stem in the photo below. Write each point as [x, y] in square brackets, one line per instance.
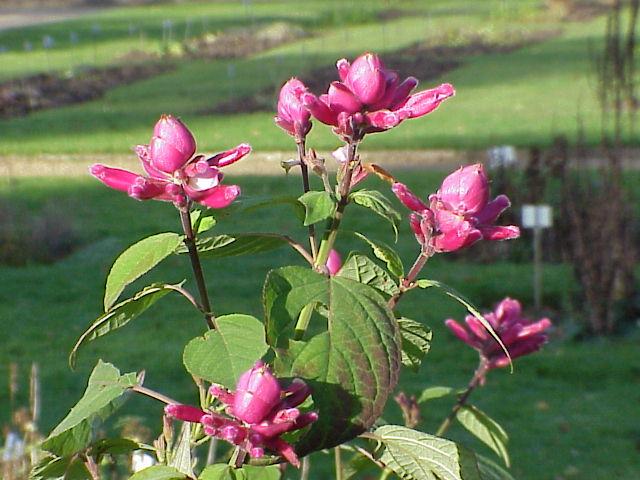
[410, 278]
[338, 462]
[92, 467]
[330, 235]
[306, 467]
[462, 399]
[332, 232]
[386, 473]
[305, 187]
[190, 241]
[153, 394]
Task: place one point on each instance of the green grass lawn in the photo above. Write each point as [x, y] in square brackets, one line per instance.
[523, 98]
[571, 410]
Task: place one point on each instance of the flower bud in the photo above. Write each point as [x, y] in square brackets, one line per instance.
[293, 116]
[466, 190]
[366, 78]
[334, 262]
[256, 395]
[172, 145]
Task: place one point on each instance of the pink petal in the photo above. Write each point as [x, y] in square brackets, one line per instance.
[401, 92]
[222, 394]
[493, 209]
[341, 99]
[535, 328]
[476, 327]
[343, 67]
[146, 189]
[319, 109]
[414, 223]
[186, 413]
[296, 393]
[385, 119]
[499, 233]
[407, 197]
[459, 331]
[217, 197]
[424, 102]
[228, 157]
[115, 178]
[283, 448]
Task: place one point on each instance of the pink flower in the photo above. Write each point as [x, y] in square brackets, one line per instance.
[334, 262]
[173, 172]
[520, 335]
[370, 98]
[258, 413]
[292, 116]
[459, 213]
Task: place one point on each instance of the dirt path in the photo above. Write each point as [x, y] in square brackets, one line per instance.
[23, 17]
[268, 163]
[258, 163]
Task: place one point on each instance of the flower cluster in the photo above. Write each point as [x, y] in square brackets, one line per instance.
[258, 413]
[174, 173]
[520, 335]
[459, 213]
[368, 98]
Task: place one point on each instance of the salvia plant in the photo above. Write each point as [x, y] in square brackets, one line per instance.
[275, 389]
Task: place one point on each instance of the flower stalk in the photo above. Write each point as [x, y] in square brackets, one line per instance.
[476, 380]
[196, 266]
[330, 234]
[302, 153]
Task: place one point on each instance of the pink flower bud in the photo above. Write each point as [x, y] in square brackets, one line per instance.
[172, 145]
[334, 262]
[366, 78]
[465, 190]
[257, 394]
[293, 116]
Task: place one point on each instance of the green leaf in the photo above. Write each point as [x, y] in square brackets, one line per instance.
[489, 470]
[247, 472]
[433, 393]
[100, 399]
[159, 472]
[353, 367]
[120, 315]
[379, 204]
[364, 270]
[385, 253]
[416, 342]
[238, 244]
[424, 283]
[248, 205]
[420, 456]
[113, 446]
[181, 452]
[222, 355]
[318, 206]
[202, 223]
[486, 429]
[137, 260]
[59, 468]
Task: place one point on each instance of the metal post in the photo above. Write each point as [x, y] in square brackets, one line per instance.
[537, 268]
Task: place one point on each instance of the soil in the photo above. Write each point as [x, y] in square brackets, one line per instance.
[21, 96]
[37, 92]
[426, 62]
